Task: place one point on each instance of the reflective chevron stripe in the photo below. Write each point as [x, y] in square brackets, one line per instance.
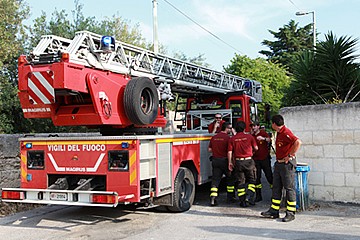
[41, 90]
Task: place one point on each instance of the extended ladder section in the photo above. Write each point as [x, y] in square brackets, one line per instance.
[184, 77]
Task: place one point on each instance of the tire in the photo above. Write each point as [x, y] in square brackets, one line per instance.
[184, 191]
[141, 101]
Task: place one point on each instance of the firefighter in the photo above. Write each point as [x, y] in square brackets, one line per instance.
[218, 147]
[240, 152]
[261, 158]
[287, 144]
[215, 126]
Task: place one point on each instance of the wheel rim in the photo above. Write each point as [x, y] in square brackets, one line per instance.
[185, 191]
[146, 102]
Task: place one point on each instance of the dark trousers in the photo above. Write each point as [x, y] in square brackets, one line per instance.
[264, 165]
[245, 172]
[220, 168]
[284, 178]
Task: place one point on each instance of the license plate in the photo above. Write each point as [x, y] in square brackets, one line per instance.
[58, 196]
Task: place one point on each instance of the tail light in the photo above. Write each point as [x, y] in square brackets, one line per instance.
[14, 195]
[35, 160]
[104, 198]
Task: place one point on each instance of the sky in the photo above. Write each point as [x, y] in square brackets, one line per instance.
[240, 24]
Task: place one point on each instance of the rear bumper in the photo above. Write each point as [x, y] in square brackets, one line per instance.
[64, 197]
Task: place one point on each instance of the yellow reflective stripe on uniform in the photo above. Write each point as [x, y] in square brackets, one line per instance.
[230, 187]
[275, 207]
[291, 203]
[293, 209]
[213, 194]
[251, 187]
[271, 185]
[214, 189]
[276, 201]
[258, 186]
[241, 192]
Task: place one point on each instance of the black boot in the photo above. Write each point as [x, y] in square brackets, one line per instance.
[213, 201]
[230, 197]
[258, 195]
[243, 204]
[250, 198]
[289, 216]
[271, 213]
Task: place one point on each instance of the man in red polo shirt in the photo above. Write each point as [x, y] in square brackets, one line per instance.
[215, 126]
[287, 144]
[218, 146]
[261, 158]
[240, 152]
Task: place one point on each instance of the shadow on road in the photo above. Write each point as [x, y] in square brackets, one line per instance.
[270, 233]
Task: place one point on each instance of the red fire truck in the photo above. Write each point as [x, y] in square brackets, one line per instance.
[123, 90]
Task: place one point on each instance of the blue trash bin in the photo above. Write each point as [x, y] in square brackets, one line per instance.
[301, 184]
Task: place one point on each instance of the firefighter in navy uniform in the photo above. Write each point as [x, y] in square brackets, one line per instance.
[261, 158]
[218, 147]
[240, 152]
[287, 144]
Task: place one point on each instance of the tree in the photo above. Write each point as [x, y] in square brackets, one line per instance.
[272, 77]
[12, 13]
[198, 60]
[331, 75]
[303, 87]
[61, 25]
[338, 74]
[290, 40]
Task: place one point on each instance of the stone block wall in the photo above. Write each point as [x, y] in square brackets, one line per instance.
[331, 146]
[9, 161]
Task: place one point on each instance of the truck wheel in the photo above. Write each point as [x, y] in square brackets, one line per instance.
[141, 101]
[184, 191]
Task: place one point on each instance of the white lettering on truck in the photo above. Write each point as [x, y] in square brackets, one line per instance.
[94, 147]
[77, 148]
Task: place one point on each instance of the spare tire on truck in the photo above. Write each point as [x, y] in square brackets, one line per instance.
[141, 101]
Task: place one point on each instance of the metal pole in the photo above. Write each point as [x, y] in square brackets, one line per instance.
[314, 28]
[155, 28]
[301, 13]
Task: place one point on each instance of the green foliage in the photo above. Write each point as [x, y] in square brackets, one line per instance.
[198, 60]
[329, 76]
[61, 25]
[122, 30]
[338, 74]
[12, 13]
[290, 40]
[272, 77]
[303, 88]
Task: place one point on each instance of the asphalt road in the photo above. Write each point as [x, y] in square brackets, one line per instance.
[226, 221]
